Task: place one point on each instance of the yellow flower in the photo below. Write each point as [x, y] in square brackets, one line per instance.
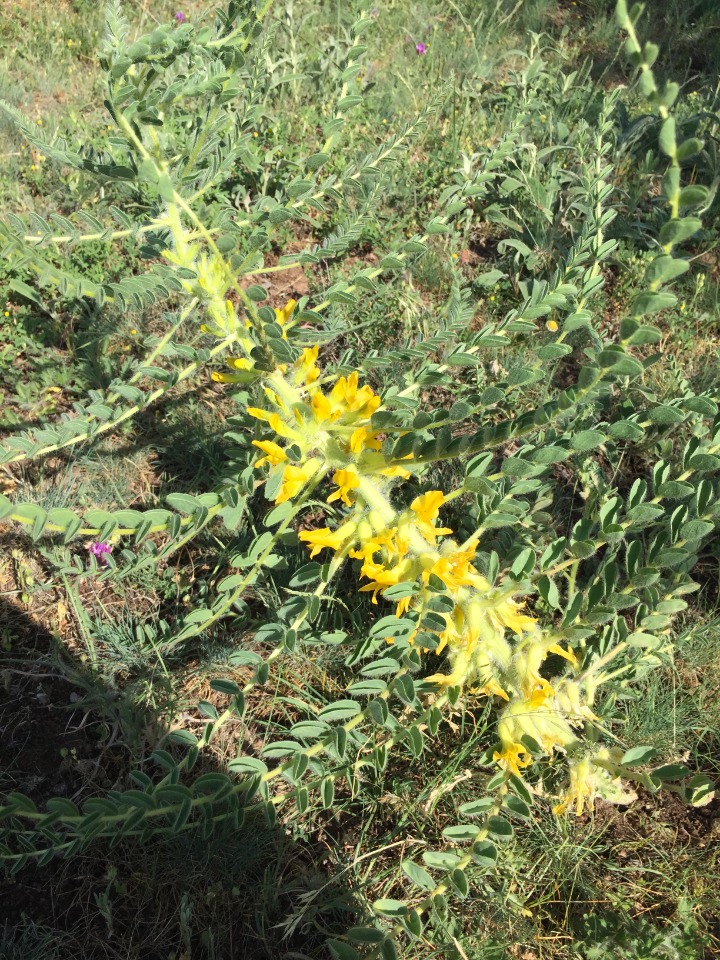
[395, 471]
[375, 543]
[294, 479]
[346, 394]
[282, 316]
[383, 577]
[322, 408]
[274, 454]
[274, 421]
[544, 723]
[333, 540]
[491, 689]
[454, 568]
[373, 462]
[363, 438]
[542, 692]
[552, 326]
[306, 372]
[589, 780]
[346, 480]
[243, 366]
[426, 508]
[508, 613]
[530, 656]
[512, 757]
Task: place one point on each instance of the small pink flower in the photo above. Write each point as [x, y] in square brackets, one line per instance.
[100, 551]
[180, 17]
[420, 49]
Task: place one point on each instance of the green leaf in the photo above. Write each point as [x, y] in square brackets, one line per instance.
[649, 302]
[675, 490]
[688, 148]
[390, 908]
[637, 756]
[460, 832]
[644, 513]
[182, 816]
[308, 574]
[696, 529]
[460, 882]
[516, 805]
[225, 686]
[549, 454]
[476, 808]
[668, 143]
[309, 729]
[257, 293]
[327, 792]
[339, 710]
[17, 286]
[392, 626]
[587, 440]
[700, 791]
[408, 588]
[367, 688]
[388, 950]
[484, 853]
[418, 875]
[440, 859]
[676, 231]
[665, 268]
[694, 195]
[247, 765]
[665, 415]
[499, 827]
[626, 430]
[366, 934]
[184, 737]
[342, 951]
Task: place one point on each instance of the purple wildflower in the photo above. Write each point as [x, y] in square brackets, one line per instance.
[420, 49]
[100, 551]
[180, 17]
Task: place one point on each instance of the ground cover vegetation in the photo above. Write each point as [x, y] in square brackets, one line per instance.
[359, 480]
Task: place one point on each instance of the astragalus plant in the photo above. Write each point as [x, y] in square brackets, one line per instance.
[446, 568]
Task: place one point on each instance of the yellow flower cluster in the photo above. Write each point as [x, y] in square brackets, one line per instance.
[591, 777]
[492, 646]
[331, 431]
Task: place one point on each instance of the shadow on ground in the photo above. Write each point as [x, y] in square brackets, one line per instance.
[250, 893]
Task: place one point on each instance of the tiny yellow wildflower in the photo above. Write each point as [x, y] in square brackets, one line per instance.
[513, 757]
[426, 508]
[346, 480]
[317, 540]
[553, 326]
[294, 479]
[274, 454]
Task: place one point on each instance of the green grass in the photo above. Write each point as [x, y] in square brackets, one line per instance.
[614, 885]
